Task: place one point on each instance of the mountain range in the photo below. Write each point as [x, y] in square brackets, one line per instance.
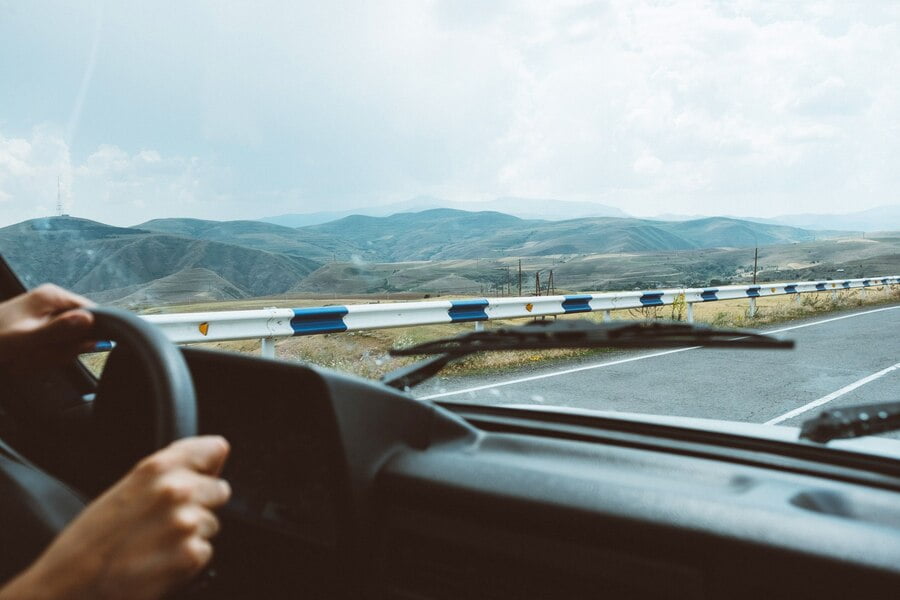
[524, 208]
[180, 260]
[882, 218]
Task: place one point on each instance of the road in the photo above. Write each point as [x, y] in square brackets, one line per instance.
[840, 359]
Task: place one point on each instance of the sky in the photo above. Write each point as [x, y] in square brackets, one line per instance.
[227, 110]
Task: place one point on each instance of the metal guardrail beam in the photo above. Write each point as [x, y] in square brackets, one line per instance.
[270, 323]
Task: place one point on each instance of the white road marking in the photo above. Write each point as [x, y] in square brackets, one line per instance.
[557, 373]
[823, 321]
[634, 358]
[825, 399]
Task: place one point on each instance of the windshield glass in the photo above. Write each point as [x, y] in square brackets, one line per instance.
[733, 164]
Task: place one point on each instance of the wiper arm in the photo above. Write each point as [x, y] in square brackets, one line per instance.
[541, 335]
[852, 422]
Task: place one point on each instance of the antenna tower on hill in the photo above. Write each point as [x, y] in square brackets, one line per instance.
[59, 207]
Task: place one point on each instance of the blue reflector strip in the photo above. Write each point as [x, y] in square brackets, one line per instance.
[790, 289]
[103, 346]
[329, 319]
[846, 284]
[820, 287]
[468, 310]
[652, 299]
[865, 282]
[709, 295]
[753, 292]
[576, 304]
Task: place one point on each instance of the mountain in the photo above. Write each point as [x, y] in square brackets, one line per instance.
[525, 208]
[439, 250]
[427, 235]
[881, 218]
[443, 234]
[303, 243]
[90, 257]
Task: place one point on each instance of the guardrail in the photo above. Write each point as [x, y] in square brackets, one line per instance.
[270, 323]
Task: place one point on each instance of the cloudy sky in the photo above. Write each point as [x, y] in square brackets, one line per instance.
[247, 109]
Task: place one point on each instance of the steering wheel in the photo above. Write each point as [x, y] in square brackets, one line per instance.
[34, 506]
[170, 387]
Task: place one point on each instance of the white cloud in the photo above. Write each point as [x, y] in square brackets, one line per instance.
[748, 106]
[109, 185]
[647, 164]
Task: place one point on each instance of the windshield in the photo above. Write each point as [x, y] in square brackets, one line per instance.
[368, 176]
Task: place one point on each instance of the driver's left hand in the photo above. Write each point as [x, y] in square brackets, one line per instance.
[45, 326]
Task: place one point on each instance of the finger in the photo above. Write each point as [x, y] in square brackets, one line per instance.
[196, 520]
[198, 553]
[204, 454]
[185, 487]
[210, 492]
[51, 298]
[71, 326]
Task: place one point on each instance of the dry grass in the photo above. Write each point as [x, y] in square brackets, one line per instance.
[365, 353]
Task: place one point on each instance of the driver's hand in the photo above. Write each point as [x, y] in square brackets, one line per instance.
[44, 326]
[142, 538]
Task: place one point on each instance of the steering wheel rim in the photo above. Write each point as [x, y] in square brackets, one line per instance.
[35, 506]
[171, 386]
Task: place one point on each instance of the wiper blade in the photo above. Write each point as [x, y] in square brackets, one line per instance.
[852, 422]
[542, 335]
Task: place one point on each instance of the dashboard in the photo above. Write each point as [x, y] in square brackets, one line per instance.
[283, 466]
[344, 488]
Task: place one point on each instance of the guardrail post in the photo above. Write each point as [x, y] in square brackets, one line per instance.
[834, 295]
[607, 315]
[864, 292]
[267, 347]
[479, 325]
[752, 310]
[797, 298]
[690, 312]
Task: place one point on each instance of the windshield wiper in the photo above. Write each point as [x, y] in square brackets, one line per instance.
[852, 422]
[542, 335]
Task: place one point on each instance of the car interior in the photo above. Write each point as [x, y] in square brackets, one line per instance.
[348, 488]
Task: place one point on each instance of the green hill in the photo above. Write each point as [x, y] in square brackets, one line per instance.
[260, 236]
[442, 234]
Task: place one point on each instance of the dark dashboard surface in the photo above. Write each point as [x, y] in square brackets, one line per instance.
[284, 466]
[354, 490]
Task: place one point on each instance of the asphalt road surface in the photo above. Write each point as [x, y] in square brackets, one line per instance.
[840, 359]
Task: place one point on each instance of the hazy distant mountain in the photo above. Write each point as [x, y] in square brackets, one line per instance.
[90, 257]
[451, 234]
[882, 218]
[677, 217]
[525, 208]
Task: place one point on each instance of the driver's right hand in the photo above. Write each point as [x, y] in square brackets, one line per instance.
[144, 537]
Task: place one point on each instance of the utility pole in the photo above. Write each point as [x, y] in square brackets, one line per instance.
[537, 283]
[755, 260]
[520, 277]
[508, 288]
[550, 288]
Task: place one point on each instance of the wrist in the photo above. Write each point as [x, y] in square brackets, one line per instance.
[26, 586]
[41, 583]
